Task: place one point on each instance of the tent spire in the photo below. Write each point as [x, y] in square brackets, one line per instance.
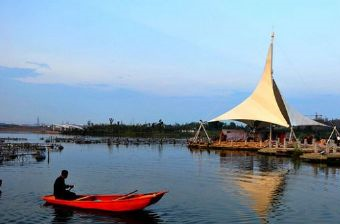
[262, 104]
[271, 52]
[266, 104]
[273, 35]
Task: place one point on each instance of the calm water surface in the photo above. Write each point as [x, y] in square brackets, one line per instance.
[204, 186]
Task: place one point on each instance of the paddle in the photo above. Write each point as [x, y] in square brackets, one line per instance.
[119, 198]
[125, 195]
[82, 198]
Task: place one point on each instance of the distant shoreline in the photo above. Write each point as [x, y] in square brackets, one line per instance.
[27, 129]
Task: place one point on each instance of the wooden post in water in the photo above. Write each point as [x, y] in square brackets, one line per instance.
[270, 135]
[277, 143]
[332, 145]
[219, 141]
[298, 143]
[48, 156]
[284, 143]
[314, 145]
[327, 148]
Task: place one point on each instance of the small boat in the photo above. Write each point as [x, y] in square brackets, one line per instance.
[40, 156]
[109, 202]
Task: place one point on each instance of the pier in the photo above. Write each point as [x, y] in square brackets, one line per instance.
[240, 146]
[319, 152]
[331, 159]
[13, 150]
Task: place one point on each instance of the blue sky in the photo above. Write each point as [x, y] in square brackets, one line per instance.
[181, 61]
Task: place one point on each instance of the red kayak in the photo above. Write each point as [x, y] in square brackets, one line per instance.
[109, 202]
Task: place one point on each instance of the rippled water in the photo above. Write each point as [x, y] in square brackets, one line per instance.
[204, 186]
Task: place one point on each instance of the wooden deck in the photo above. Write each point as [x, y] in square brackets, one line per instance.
[244, 146]
[284, 151]
[331, 158]
[317, 153]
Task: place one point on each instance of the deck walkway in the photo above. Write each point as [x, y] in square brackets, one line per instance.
[241, 146]
[331, 158]
[307, 152]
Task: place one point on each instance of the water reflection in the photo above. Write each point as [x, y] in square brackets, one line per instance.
[260, 179]
[64, 215]
[263, 189]
[325, 170]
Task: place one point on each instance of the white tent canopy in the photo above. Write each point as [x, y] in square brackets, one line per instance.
[266, 104]
[297, 119]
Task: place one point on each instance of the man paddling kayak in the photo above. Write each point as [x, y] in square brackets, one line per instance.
[61, 190]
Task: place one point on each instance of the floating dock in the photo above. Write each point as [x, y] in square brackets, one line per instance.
[240, 146]
[331, 158]
[315, 152]
[289, 152]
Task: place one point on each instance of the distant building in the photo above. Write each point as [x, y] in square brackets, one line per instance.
[241, 135]
[64, 127]
[233, 135]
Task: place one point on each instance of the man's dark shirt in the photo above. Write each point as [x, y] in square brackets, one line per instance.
[59, 187]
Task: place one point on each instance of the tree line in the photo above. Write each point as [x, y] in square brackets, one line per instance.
[161, 130]
[149, 130]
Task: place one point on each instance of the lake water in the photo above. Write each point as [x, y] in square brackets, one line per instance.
[204, 186]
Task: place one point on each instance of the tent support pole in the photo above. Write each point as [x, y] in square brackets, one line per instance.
[292, 134]
[334, 130]
[197, 133]
[205, 131]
